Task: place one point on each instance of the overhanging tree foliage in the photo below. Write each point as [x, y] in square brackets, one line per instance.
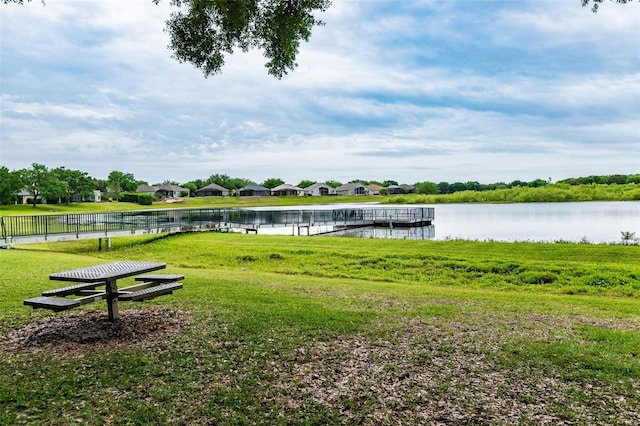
[203, 31]
[596, 3]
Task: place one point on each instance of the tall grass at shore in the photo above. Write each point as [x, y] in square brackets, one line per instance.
[548, 193]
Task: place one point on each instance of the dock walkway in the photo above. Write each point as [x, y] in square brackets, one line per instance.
[77, 226]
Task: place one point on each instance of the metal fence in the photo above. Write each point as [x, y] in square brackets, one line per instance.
[18, 226]
[105, 222]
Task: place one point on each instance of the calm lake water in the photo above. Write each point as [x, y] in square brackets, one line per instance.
[594, 222]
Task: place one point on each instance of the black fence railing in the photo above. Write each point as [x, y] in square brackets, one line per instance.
[77, 223]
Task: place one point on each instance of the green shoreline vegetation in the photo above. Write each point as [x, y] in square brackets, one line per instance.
[60, 185]
[322, 330]
[560, 192]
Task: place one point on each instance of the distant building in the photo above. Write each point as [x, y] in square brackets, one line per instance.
[254, 190]
[396, 189]
[212, 190]
[374, 189]
[171, 191]
[23, 196]
[401, 189]
[96, 196]
[355, 188]
[319, 189]
[409, 189]
[286, 189]
[146, 189]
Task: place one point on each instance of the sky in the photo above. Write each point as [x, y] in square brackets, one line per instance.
[410, 91]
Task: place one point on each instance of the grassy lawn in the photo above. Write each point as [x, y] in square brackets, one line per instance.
[196, 202]
[321, 330]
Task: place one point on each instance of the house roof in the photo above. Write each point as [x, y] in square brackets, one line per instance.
[174, 188]
[318, 185]
[145, 188]
[286, 186]
[350, 186]
[213, 186]
[254, 187]
[375, 187]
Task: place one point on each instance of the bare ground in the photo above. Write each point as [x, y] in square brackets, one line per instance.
[425, 371]
[439, 374]
[77, 333]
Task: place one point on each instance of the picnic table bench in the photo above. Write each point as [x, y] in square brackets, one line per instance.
[152, 286]
[89, 278]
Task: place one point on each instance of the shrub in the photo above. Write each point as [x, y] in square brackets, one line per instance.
[145, 199]
[247, 258]
[129, 197]
[601, 280]
[535, 277]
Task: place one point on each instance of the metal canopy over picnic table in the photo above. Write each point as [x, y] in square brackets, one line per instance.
[107, 275]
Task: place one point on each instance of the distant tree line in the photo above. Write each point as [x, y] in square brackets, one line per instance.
[451, 188]
[60, 184]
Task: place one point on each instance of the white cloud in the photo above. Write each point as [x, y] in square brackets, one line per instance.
[417, 91]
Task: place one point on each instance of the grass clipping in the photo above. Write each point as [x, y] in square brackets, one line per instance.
[431, 373]
[78, 333]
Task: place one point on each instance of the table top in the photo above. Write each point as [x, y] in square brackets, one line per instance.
[107, 271]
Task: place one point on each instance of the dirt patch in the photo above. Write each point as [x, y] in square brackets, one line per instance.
[78, 333]
[435, 373]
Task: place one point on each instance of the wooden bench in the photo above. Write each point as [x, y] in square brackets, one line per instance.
[150, 291]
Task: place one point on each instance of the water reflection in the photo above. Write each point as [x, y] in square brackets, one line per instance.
[410, 233]
[593, 222]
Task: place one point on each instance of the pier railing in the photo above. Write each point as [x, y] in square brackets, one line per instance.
[57, 227]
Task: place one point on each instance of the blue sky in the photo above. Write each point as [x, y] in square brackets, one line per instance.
[403, 90]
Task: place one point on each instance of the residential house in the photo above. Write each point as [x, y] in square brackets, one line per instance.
[146, 189]
[212, 190]
[96, 196]
[286, 189]
[374, 189]
[401, 189]
[396, 189]
[170, 191]
[318, 189]
[23, 196]
[354, 188]
[409, 189]
[254, 190]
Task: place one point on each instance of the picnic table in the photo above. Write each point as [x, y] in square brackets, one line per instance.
[87, 279]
